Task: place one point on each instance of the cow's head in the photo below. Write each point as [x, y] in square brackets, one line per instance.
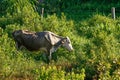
[67, 43]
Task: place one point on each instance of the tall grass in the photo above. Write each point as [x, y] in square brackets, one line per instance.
[95, 40]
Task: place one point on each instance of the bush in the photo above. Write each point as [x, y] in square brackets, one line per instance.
[102, 47]
[96, 45]
[56, 73]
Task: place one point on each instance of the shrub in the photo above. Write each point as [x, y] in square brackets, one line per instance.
[53, 73]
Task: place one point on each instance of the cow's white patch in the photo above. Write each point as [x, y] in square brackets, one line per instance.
[52, 38]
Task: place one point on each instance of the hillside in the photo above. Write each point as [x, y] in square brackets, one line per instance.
[95, 37]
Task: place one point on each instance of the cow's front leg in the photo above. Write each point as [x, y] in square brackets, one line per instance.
[50, 56]
[50, 53]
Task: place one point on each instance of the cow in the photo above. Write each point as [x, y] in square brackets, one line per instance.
[47, 41]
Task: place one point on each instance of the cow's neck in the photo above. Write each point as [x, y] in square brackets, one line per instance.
[56, 39]
[57, 45]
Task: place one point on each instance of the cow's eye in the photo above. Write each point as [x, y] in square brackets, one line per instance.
[68, 42]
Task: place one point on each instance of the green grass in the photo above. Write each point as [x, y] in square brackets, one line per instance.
[94, 36]
[96, 51]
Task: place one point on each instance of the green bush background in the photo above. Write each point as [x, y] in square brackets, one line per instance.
[95, 37]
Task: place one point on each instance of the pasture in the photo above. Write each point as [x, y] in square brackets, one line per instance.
[95, 38]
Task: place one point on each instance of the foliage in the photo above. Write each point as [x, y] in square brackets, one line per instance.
[77, 9]
[96, 42]
[56, 73]
[20, 12]
[61, 5]
[104, 45]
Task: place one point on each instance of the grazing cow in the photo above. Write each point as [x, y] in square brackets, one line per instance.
[47, 41]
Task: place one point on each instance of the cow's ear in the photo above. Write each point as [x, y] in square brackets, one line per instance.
[63, 41]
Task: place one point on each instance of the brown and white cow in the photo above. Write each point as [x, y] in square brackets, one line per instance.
[46, 41]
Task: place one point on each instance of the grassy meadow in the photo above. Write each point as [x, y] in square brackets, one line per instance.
[95, 37]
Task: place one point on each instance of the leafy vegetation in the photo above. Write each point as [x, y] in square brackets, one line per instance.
[95, 38]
